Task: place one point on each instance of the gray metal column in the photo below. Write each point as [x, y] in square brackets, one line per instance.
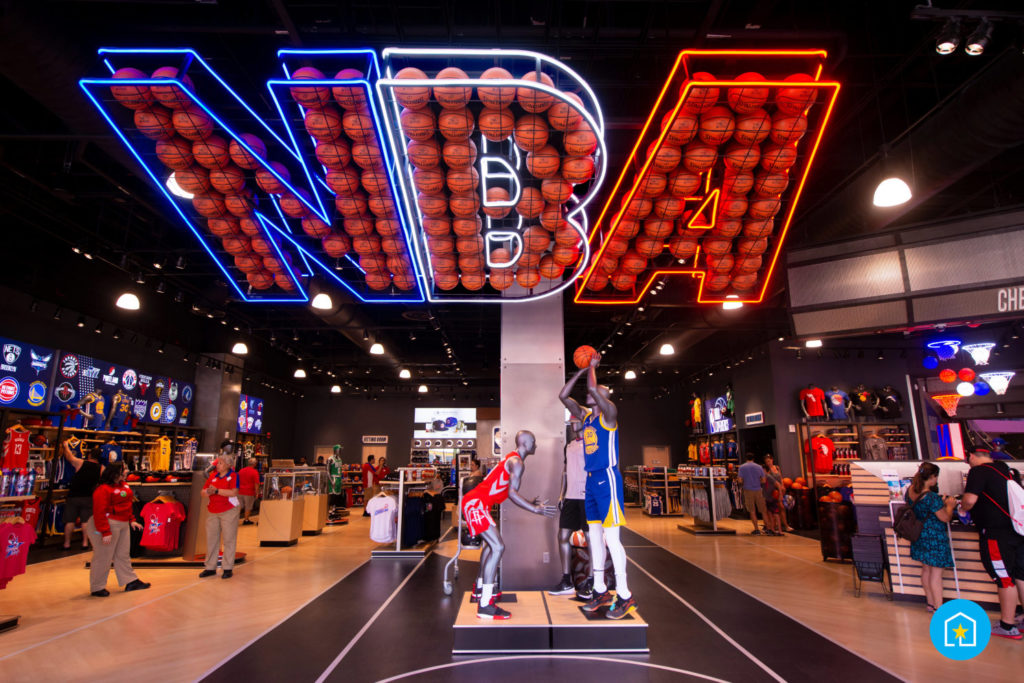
[532, 374]
[217, 396]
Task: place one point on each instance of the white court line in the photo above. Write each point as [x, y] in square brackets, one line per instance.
[125, 611]
[773, 607]
[747, 653]
[268, 630]
[519, 658]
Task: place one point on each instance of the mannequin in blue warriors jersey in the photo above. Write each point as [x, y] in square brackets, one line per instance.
[604, 499]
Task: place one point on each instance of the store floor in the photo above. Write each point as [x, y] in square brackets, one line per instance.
[727, 608]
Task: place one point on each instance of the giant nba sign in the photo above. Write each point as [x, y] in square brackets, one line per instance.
[465, 175]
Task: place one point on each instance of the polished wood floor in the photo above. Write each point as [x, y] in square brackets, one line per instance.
[183, 627]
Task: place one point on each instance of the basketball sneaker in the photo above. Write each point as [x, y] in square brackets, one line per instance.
[475, 596]
[491, 611]
[1013, 633]
[599, 600]
[564, 587]
[622, 607]
[586, 589]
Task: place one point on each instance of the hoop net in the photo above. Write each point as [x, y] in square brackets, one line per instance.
[949, 402]
[999, 381]
[979, 352]
[946, 348]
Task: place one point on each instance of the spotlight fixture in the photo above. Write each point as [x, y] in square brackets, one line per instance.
[336, 389]
[630, 374]
[99, 328]
[295, 335]
[180, 263]
[892, 192]
[77, 249]
[158, 264]
[179, 297]
[117, 333]
[161, 288]
[161, 349]
[979, 38]
[377, 349]
[138, 278]
[813, 343]
[404, 373]
[34, 306]
[366, 336]
[239, 349]
[949, 37]
[732, 305]
[423, 389]
[322, 301]
[881, 355]
[56, 314]
[665, 350]
[299, 373]
[81, 321]
[128, 301]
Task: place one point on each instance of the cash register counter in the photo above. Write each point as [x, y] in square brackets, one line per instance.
[968, 579]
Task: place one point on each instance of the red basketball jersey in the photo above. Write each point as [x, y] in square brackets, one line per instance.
[16, 448]
[493, 490]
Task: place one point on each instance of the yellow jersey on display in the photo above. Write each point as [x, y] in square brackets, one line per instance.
[600, 444]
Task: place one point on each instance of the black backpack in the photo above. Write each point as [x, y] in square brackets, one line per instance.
[906, 523]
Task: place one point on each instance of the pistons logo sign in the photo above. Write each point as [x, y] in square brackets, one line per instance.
[9, 390]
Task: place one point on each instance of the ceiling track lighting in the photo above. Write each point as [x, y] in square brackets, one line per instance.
[949, 37]
[99, 328]
[979, 38]
[81, 321]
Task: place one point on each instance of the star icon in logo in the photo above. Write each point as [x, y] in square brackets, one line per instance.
[960, 631]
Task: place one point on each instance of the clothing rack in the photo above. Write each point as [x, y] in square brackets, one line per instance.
[711, 476]
[404, 483]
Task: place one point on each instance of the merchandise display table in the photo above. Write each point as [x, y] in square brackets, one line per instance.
[544, 624]
[314, 513]
[281, 521]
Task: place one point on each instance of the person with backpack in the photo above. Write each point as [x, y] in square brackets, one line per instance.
[995, 499]
[931, 548]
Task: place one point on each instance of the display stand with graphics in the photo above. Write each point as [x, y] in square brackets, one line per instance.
[709, 481]
[282, 508]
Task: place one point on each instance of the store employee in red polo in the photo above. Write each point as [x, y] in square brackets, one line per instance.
[221, 490]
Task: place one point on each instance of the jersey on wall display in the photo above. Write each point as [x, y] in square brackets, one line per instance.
[250, 415]
[25, 374]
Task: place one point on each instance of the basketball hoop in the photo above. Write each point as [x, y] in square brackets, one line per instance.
[979, 352]
[945, 348]
[949, 402]
[999, 381]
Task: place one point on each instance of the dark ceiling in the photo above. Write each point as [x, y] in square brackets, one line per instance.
[66, 183]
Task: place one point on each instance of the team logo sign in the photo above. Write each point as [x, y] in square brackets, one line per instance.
[9, 390]
[241, 422]
[155, 411]
[39, 361]
[160, 384]
[110, 379]
[249, 423]
[259, 408]
[170, 413]
[139, 409]
[186, 394]
[36, 394]
[144, 382]
[184, 416]
[129, 379]
[11, 354]
[64, 392]
[69, 366]
[172, 391]
[91, 372]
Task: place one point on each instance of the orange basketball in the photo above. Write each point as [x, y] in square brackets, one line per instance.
[727, 227]
[350, 96]
[372, 261]
[658, 227]
[154, 122]
[433, 205]
[497, 194]
[551, 217]
[556, 190]
[343, 182]
[333, 155]
[352, 206]
[627, 229]
[418, 124]
[565, 116]
[747, 98]
[787, 482]
[336, 245]
[456, 124]
[536, 238]
[752, 127]
[437, 227]
[682, 128]
[788, 128]
[236, 245]
[748, 264]
[608, 264]
[262, 279]
[324, 123]
[529, 259]
[310, 96]
[192, 123]
[377, 280]
[581, 141]
[171, 96]
[633, 263]
[652, 185]
[720, 263]
[443, 263]
[773, 157]
[684, 183]
[473, 281]
[446, 280]
[315, 227]
[567, 235]
[412, 96]
[428, 180]
[666, 159]
[528, 277]
[460, 154]
[358, 125]
[367, 244]
[758, 228]
[582, 355]
[732, 206]
[194, 179]
[530, 133]
[441, 245]
[716, 125]
[669, 207]
[649, 247]
[502, 279]
[227, 180]
[366, 154]
[393, 246]
[638, 208]
[248, 263]
[462, 179]
[223, 227]
[464, 204]
[210, 204]
[132, 96]
[751, 246]
[496, 124]
[717, 246]
[382, 206]
[737, 182]
[699, 157]
[623, 281]
[494, 96]
[175, 153]
[212, 152]
[290, 204]
[467, 227]
[375, 182]
[741, 158]
[769, 184]
[699, 98]
[565, 254]
[795, 100]
[766, 207]
[682, 247]
[358, 227]
[544, 162]
[549, 268]
[424, 153]
[535, 101]
[276, 265]
[716, 282]
[617, 246]
[452, 96]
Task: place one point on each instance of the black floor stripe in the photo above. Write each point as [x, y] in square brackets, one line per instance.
[792, 650]
[305, 644]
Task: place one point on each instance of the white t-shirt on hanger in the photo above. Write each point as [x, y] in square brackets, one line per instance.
[383, 512]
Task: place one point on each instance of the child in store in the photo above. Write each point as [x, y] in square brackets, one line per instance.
[772, 501]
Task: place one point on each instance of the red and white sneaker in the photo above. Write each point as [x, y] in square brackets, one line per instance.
[491, 611]
[474, 597]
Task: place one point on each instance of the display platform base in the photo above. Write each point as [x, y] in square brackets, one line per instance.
[278, 544]
[172, 563]
[8, 621]
[544, 624]
[705, 530]
[312, 532]
[411, 553]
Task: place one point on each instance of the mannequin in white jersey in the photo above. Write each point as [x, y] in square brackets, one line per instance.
[573, 515]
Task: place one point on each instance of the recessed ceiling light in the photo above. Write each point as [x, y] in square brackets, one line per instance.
[299, 373]
[892, 192]
[732, 305]
[629, 374]
[128, 301]
[667, 350]
[813, 343]
[377, 349]
[404, 373]
[336, 389]
[239, 349]
[423, 389]
[322, 301]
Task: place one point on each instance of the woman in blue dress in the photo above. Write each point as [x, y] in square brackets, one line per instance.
[931, 548]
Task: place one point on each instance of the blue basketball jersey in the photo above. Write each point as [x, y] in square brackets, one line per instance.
[600, 444]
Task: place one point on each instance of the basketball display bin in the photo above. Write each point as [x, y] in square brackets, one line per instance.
[282, 508]
[496, 167]
[313, 481]
[707, 193]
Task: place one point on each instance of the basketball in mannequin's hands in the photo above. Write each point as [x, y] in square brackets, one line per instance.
[582, 355]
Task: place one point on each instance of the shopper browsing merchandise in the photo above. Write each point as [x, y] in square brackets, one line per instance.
[79, 500]
[986, 497]
[775, 472]
[248, 487]
[573, 516]
[369, 481]
[221, 490]
[931, 548]
[752, 475]
[108, 530]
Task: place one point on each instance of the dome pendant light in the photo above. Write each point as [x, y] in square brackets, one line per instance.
[892, 192]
